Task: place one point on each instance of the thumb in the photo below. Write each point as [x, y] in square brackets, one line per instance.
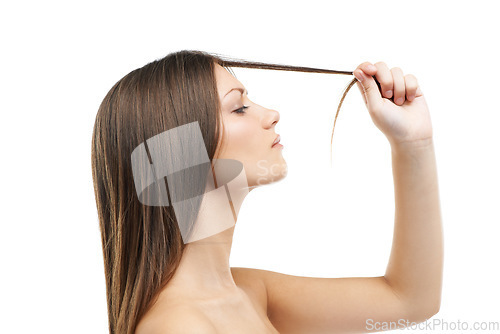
[370, 88]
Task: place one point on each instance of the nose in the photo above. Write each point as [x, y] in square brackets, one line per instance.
[271, 118]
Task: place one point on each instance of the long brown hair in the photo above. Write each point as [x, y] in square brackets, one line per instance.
[142, 245]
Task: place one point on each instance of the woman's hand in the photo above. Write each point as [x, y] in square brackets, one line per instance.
[403, 119]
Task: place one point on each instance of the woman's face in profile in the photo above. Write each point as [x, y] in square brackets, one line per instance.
[249, 133]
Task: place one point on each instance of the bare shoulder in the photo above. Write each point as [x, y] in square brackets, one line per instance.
[248, 277]
[251, 281]
[176, 319]
[175, 316]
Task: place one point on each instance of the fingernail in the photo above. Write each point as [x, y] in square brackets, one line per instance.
[419, 92]
[372, 67]
[388, 93]
[411, 97]
[399, 100]
[359, 75]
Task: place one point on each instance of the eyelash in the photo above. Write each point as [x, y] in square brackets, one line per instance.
[241, 110]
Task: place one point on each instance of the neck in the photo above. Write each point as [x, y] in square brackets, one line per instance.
[204, 267]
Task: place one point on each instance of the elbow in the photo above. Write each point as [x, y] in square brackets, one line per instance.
[420, 304]
[434, 308]
[431, 310]
[425, 311]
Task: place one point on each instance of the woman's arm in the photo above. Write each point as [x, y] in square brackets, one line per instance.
[416, 263]
[410, 290]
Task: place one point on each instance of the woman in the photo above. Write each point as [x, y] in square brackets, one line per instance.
[168, 206]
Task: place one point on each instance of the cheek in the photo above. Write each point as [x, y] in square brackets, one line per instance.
[240, 137]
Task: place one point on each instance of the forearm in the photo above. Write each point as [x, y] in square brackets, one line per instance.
[416, 262]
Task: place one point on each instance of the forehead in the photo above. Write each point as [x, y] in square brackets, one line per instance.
[225, 80]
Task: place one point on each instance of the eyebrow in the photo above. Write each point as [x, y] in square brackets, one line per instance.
[237, 88]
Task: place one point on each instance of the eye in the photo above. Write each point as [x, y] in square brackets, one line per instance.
[241, 110]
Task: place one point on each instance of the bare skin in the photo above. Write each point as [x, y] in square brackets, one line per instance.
[207, 296]
[204, 288]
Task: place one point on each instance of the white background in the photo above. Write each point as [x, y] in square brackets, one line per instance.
[59, 59]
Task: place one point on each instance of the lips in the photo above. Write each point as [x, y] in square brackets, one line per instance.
[277, 140]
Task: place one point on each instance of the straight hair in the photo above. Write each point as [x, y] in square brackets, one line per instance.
[142, 245]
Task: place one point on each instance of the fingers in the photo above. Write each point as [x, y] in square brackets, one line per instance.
[361, 89]
[411, 86]
[364, 73]
[384, 77]
[393, 83]
[399, 85]
[368, 68]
